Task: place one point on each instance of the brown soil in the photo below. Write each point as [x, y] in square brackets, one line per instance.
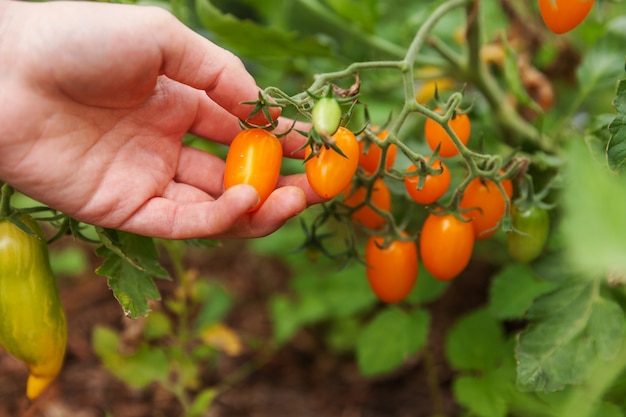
[303, 379]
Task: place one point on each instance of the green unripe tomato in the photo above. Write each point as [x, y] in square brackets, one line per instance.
[326, 116]
[33, 327]
[530, 233]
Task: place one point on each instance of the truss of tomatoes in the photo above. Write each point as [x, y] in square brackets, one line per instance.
[446, 241]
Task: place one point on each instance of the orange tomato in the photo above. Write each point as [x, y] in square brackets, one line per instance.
[434, 186]
[435, 134]
[365, 215]
[446, 245]
[370, 159]
[488, 205]
[254, 158]
[329, 173]
[561, 16]
[392, 271]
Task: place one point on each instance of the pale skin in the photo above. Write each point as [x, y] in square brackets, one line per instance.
[94, 101]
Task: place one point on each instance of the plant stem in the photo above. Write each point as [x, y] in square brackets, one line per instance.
[5, 200]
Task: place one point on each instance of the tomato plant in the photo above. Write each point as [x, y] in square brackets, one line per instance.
[434, 186]
[391, 270]
[254, 158]
[329, 172]
[531, 226]
[487, 206]
[446, 245]
[564, 15]
[365, 215]
[436, 135]
[369, 158]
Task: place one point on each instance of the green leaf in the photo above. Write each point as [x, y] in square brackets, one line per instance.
[390, 338]
[215, 303]
[513, 290]
[594, 225]
[140, 369]
[158, 325]
[426, 288]
[480, 395]
[285, 323]
[476, 342]
[201, 403]
[616, 149]
[606, 328]
[249, 39]
[362, 13]
[571, 327]
[601, 65]
[130, 264]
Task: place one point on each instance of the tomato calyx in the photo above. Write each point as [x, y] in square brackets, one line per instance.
[261, 115]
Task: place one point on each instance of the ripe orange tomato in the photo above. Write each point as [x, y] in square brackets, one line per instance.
[370, 159]
[329, 173]
[380, 197]
[488, 204]
[436, 134]
[561, 16]
[254, 158]
[434, 186]
[446, 245]
[392, 271]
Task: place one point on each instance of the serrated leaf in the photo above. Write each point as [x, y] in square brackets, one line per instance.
[513, 290]
[601, 65]
[571, 328]
[247, 38]
[390, 338]
[480, 396]
[616, 149]
[130, 267]
[606, 328]
[475, 342]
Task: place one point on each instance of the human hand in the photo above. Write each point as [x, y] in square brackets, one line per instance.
[94, 101]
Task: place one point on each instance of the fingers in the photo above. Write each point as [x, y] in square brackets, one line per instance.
[172, 219]
[191, 59]
[226, 217]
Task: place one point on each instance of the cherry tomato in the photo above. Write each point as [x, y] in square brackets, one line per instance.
[392, 271]
[380, 197]
[488, 206]
[434, 186]
[326, 116]
[254, 158]
[530, 233]
[329, 173]
[446, 245]
[436, 134]
[561, 16]
[370, 159]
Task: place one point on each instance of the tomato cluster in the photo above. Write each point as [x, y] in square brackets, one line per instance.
[446, 241]
[332, 157]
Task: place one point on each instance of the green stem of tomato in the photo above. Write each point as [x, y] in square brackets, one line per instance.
[5, 200]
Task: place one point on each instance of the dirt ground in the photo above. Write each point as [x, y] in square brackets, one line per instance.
[303, 379]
